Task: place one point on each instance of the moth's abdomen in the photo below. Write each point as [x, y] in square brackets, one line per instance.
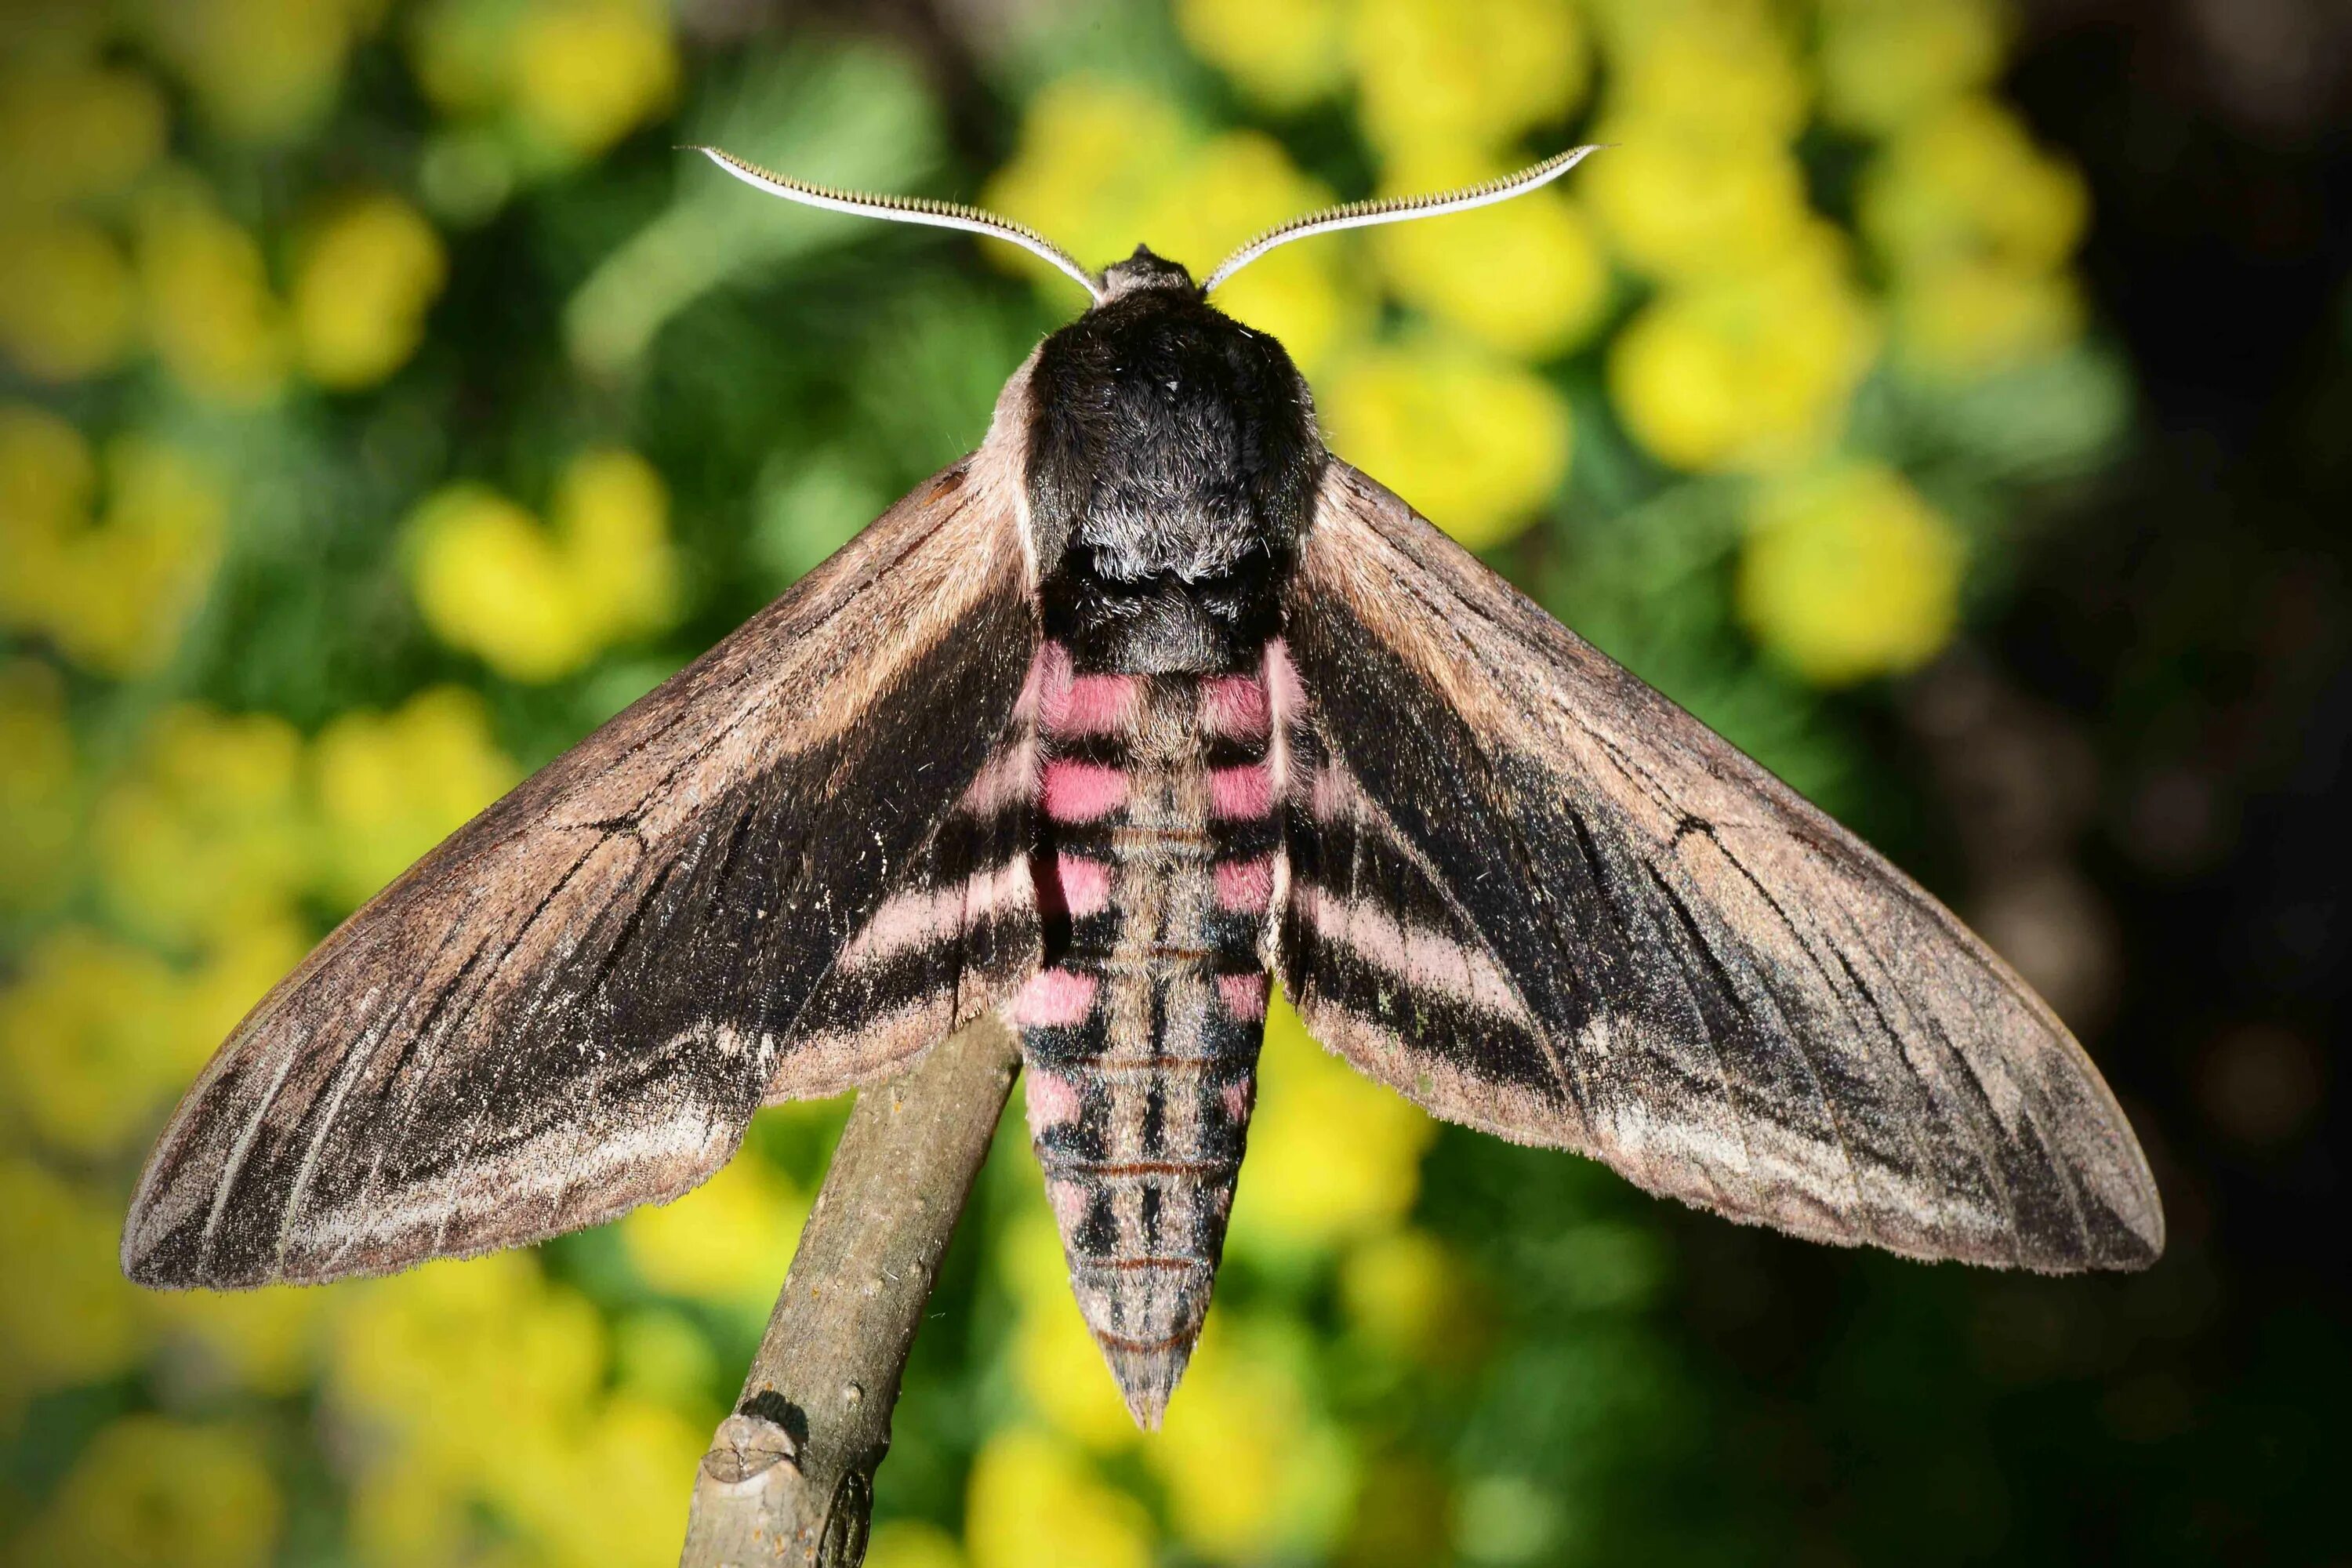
[1155, 871]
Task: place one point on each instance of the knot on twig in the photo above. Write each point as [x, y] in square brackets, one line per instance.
[746, 1447]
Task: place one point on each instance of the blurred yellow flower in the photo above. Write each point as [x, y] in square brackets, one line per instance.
[536, 604]
[1675, 205]
[265, 1341]
[149, 1491]
[393, 785]
[729, 1240]
[569, 77]
[1332, 1154]
[87, 1051]
[1526, 277]
[261, 71]
[236, 969]
[67, 304]
[1034, 1502]
[1749, 371]
[623, 1494]
[1060, 1367]
[363, 282]
[112, 594]
[39, 798]
[1093, 155]
[1849, 573]
[1252, 1472]
[1103, 166]
[1968, 181]
[1962, 319]
[1723, 71]
[1401, 1291]
[210, 314]
[1478, 444]
[1885, 63]
[1472, 74]
[586, 71]
[73, 133]
[81, 1323]
[206, 832]
[1285, 53]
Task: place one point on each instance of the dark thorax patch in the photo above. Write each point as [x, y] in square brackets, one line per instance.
[1172, 463]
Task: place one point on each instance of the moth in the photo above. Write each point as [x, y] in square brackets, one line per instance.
[1147, 702]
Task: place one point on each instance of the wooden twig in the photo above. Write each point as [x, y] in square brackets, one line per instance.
[790, 1476]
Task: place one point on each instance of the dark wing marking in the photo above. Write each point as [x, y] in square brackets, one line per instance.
[789, 868]
[1532, 894]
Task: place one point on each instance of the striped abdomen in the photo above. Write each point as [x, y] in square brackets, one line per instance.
[1155, 870]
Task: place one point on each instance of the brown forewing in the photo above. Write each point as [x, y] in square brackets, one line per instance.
[574, 1004]
[1709, 984]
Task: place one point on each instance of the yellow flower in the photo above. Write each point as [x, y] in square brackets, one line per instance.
[210, 314]
[1285, 53]
[1849, 573]
[1400, 1292]
[1478, 444]
[86, 1047]
[262, 70]
[623, 1493]
[150, 1490]
[1473, 74]
[1060, 1367]
[38, 795]
[1677, 205]
[206, 832]
[538, 604]
[1092, 156]
[81, 1323]
[1034, 1502]
[612, 512]
[393, 785]
[1253, 1473]
[729, 1240]
[1526, 277]
[1331, 1154]
[1968, 181]
[1885, 63]
[66, 305]
[80, 133]
[1749, 371]
[1724, 72]
[112, 595]
[1962, 319]
[585, 71]
[362, 285]
[1104, 166]
[571, 77]
[265, 1340]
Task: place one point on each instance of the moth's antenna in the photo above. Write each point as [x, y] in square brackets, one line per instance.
[1398, 209]
[906, 209]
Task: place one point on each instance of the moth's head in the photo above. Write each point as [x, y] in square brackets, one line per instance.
[1143, 269]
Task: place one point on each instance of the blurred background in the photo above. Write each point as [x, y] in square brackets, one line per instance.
[1949, 400]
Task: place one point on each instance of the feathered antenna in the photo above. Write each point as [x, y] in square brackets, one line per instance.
[906, 209]
[1398, 209]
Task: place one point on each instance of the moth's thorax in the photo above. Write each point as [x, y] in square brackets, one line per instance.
[1172, 461]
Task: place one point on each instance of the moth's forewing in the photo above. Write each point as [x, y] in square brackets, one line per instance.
[1532, 894]
[757, 882]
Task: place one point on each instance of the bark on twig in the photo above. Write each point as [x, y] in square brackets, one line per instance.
[790, 1476]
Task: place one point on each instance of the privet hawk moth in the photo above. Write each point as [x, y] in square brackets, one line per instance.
[1148, 703]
